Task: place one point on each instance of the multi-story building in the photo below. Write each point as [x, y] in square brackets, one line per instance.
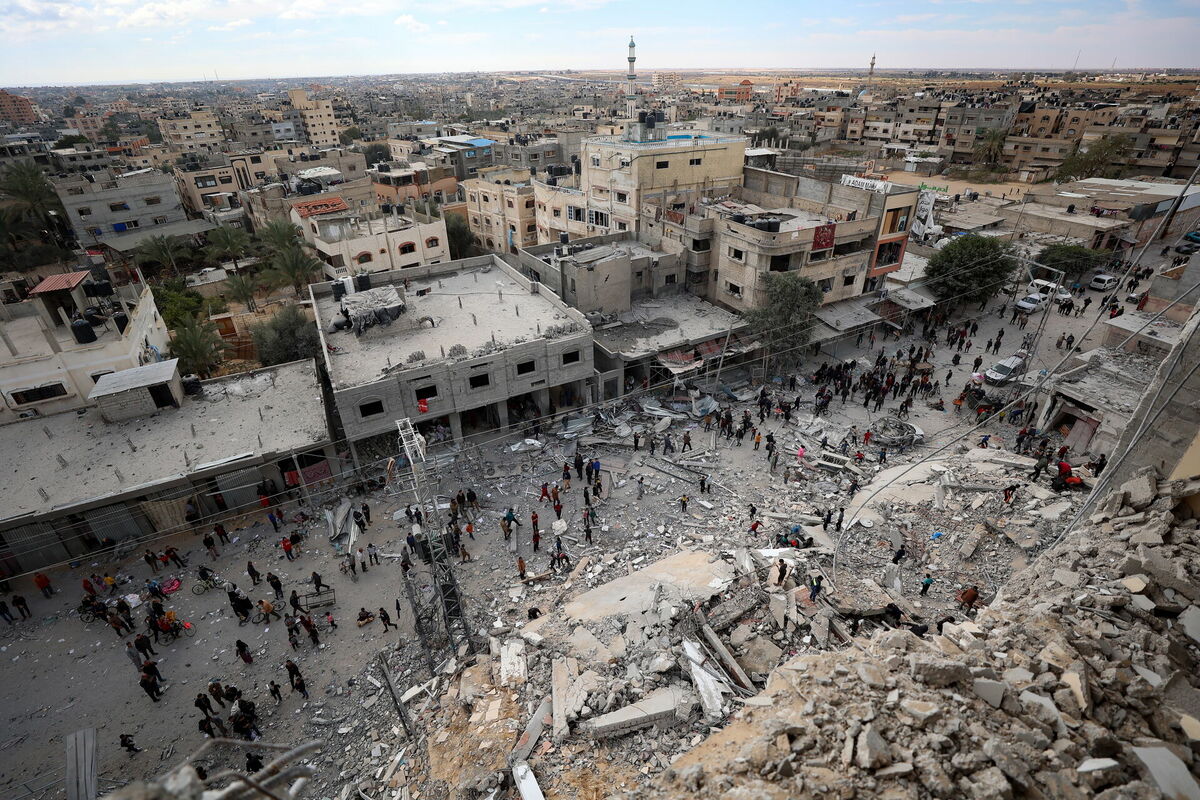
[270, 201]
[398, 182]
[420, 129]
[29, 150]
[192, 131]
[473, 347]
[650, 165]
[966, 124]
[465, 154]
[89, 124]
[533, 153]
[17, 109]
[253, 130]
[560, 209]
[81, 158]
[316, 121]
[742, 92]
[354, 243]
[104, 205]
[501, 209]
[56, 349]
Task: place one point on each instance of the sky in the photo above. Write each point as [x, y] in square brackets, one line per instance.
[95, 41]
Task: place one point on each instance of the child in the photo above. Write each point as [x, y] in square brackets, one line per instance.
[329, 619]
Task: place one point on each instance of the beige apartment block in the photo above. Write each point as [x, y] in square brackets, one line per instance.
[501, 209]
[316, 117]
[192, 131]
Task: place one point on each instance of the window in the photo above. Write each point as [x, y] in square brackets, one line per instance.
[529, 204]
[509, 203]
[205, 182]
[575, 214]
[661, 164]
[479, 381]
[571, 357]
[118, 206]
[371, 408]
[364, 258]
[531, 227]
[426, 392]
[40, 393]
[407, 247]
[848, 280]
[152, 201]
[621, 226]
[700, 245]
[126, 225]
[694, 162]
[622, 197]
[825, 285]
[226, 179]
[160, 220]
[432, 241]
[558, 212]
[471, 197]
[255, 159]
[733, 289]
[526, 367]
[669, 279]
[889, 253]
[84, 211]
[595, 161]
[598, 218]
[736, 254]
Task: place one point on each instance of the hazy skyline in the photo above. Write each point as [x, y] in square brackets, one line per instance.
[112, 41]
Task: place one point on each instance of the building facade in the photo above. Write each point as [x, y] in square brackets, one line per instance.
[102, 205]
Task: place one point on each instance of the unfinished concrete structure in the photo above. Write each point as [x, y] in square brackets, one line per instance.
[134, 465]
[351, 242]
[461, 348]
[61, 341]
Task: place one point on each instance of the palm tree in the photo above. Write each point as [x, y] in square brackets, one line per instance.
[161, 249]
[279, 235]
[225, 242]
[293, 267]
[30, 190]
[14, 228]
[198, 346]
[989, 148]
[241, 288]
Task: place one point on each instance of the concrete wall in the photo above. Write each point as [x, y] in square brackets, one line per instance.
[149, 197]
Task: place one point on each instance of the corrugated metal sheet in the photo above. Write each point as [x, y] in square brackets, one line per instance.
[54, 283]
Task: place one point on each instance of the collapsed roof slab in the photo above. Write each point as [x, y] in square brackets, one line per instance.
[685, 577]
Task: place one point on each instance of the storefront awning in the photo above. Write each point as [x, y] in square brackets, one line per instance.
[683, 360]
[907, 298]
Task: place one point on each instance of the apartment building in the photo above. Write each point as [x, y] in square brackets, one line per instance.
[105, 205]
[192, 131]
[742, 92]
[650, 165]
[534, 153]
[399, 182]
[472, 347]
[465, 154]
[965, 125]
[501, 209]
[315, 120]
[89, 124]
[561, 208]
[275, 200]
[71, 331]
[351, 242]
[16, 109]
[81, 158]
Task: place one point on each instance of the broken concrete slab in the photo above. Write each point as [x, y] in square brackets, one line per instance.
[707, 686]
[1190, 619]
[513, 669]
[1169, 773]
[527, 785]
[533, 731]
[760, 656]
[871, 751]
[1140, 490]
[686, 576]
[665, 706]
[1096, 765]
[583, 644]
[560, 684]
[991, 692]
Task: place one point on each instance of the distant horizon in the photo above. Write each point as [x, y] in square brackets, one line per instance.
[1184, 72]
[131, 42]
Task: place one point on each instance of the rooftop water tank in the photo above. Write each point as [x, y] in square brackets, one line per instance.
[121, 320]
[81, 329]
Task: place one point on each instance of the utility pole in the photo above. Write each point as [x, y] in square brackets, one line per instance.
[419, 621]
[438, 539]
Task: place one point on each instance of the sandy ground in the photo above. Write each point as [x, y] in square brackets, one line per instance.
[60, 676]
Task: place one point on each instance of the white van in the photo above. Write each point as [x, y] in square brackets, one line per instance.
[1049, 289]
[1104, 282]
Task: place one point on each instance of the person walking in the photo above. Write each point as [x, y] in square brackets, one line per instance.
[204, 704]
[828, 519]
[1042, 462]
[274, 520]
[210, 544]
[43, 584]
[126, 741]
[150, 687]
[22, 605]
[310, 628]
[149, 558]
[255, 577]
[301, 687]
[119, 626]
[814, 588]
[150, 667]
[286, 544]
[360, 522]
[366, 512]
[537, 537]
[781, 565]
[841, 516]
[217, 692]
[683, 501]
[318, 584]
[275, 584]
[133, 656]
[293, 673]
[274, 689]
[173, 555]
[926, 582]
[219, 530]
[521, 567]
[144, 646]
[386, 620]
[899, 555]
[558, 509]
[362, 560]
[243, 651]
[373, 551]
[641, 486]
[294, 601]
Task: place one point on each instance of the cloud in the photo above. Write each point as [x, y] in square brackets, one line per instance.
[411, 23]
[233, 23]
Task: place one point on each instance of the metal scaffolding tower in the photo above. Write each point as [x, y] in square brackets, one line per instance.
[438, 537]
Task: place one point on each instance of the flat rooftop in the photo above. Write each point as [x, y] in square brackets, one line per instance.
[483, 309]
[654, 325]
[1113, 380]
[281, 404]
[1124, 192]
[1163, 329]
[790, 219]
[605, 251]
[28, 335]
[1080, 217]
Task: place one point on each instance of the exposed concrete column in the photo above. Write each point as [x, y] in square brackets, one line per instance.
[456, 429]
[502, 412]
[542, 398]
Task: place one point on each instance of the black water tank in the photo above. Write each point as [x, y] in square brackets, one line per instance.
[650, 123]
[339, 290]
[93, 315]
[564, 238]
[386, 208]
[739, 219]
[552, 181]
[89, 289]
[641, 116]
[191, 385]
[81, 329]
[104, 289]
[121, 320]
[773, 224]
[362, 283]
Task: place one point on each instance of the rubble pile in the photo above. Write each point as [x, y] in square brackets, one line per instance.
[1079, 681]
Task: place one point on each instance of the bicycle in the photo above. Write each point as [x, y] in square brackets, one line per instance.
[345, 570]
[179, 629]
[201, 587]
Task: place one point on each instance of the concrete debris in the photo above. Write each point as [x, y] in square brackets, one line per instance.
[663, 707]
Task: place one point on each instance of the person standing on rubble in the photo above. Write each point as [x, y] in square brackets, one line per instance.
[641, 486]
[521, 567]
[1042, 462]
[579, 464]
[687, 442]
[683, 501]
[782, 567]
[545, 495]
[926, 582]
[841, 516]
[637, 440]
[566, 477]
[814, 588]
[827, 520]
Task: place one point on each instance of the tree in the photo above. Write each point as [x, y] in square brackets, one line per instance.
[288, 336]
[30, 192]
[69, 141]
[1102, 159]
[463, 243]
[68, 112]
[197, 345]
[110, 132]
[242, 288]
[176, 302]
[1072, 259]
[226, 242]
[785, 322]
[279, 235]
[989, 148]
[376, 153]
[293, 267]
[970, 269]
[162, 250]
[350, 134]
